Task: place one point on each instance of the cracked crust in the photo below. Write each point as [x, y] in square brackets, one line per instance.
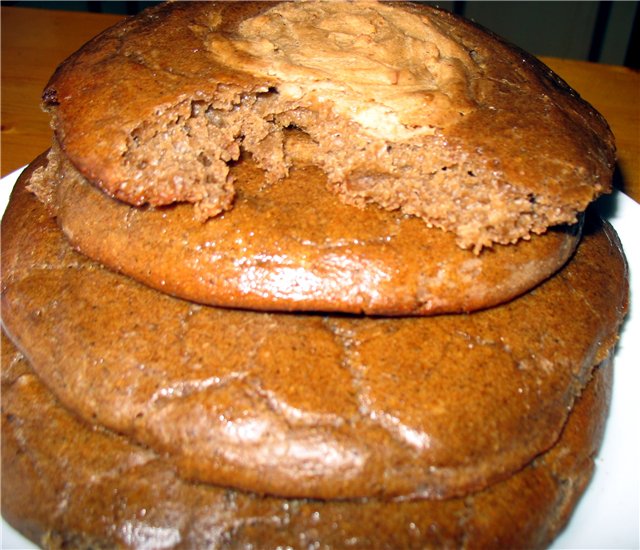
[310, 405]
[481, 139]
[272, 253]
[69, 484]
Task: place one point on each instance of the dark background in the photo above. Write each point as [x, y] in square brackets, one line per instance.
[604, 32]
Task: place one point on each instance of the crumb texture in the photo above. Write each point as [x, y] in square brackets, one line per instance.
[409, 108]
[271, 252]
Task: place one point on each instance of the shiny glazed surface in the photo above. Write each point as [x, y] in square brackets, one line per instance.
[273, 251]
[312, 405]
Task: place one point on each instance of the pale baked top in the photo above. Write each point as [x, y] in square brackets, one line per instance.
[411, 108]
[390, 71]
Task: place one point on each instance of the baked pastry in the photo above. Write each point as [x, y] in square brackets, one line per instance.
[67, 484]
[312, 405]
[273, 251]
[169, 422]
[411, 108]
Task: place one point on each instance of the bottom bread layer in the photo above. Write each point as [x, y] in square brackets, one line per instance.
[70, 485]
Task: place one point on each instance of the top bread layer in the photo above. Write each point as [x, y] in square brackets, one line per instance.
[410, 108]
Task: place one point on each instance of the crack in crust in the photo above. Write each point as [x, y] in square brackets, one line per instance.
[73, 485]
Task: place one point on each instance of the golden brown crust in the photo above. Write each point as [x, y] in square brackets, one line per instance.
[312, 405]
[155, 109]
[271, 252]
[66, 484]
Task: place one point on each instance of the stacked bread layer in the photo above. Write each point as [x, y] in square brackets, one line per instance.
[364, 416]
[294, 246]
[70, 485]
[417, 111]
[254, 297]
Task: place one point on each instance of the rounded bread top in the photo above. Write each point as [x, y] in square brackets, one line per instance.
[411, 108]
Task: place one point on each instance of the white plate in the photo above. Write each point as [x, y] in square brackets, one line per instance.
[608, 514]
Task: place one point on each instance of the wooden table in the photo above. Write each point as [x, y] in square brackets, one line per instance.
[35, 41]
